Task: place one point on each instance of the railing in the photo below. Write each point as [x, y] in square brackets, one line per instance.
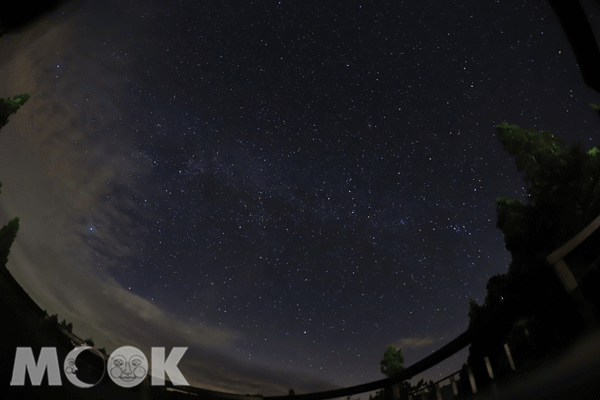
[436, 386]
[392, 385]
[556, 259]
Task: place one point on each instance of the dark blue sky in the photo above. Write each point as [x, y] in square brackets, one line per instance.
[284, 187]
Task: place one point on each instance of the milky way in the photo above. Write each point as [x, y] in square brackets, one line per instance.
[284, 187]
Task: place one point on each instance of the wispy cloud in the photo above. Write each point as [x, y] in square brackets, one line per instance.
[56, 178]
[414, 342]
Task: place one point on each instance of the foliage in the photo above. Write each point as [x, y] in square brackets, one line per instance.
[391, 363]
[563, 185]
[563, 188]
[429, 386]
[10, 106]
[596, 108]
[103, 351]
[89, 342]
[8, 233]
[291, 392]
[54, 319]
[475, 312]
[68, 327]
[512, 220]
[536, 153]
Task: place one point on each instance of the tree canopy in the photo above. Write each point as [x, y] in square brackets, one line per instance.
[562, 186]
[563, 196]
[10, 106]
[391, 365]
[392, 361]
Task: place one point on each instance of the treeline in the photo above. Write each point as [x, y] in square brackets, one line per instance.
[53, 320]
[8, 232]
[529, 307]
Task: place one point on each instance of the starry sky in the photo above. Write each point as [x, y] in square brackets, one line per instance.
[284, 187]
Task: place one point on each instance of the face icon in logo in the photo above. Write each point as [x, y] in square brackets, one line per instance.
[127, 366]
[71, 369]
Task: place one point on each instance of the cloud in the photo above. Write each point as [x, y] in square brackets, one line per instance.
[59, 178]
[414, 342]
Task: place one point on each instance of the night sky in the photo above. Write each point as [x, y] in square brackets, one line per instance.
[284, 187]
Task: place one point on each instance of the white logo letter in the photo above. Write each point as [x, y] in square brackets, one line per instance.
[160, 366]
[24, 359]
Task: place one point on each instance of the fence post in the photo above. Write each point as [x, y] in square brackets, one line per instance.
[510, 359]
[565, 275]
[396, 390]
[438, 392]
[454, 387]
[472, 379]
[489, 367]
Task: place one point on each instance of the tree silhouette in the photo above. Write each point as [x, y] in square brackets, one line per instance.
[563, 188]
[68, 327]
[10, 106]
[596, 108]
[8, 233]
[391, 363]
